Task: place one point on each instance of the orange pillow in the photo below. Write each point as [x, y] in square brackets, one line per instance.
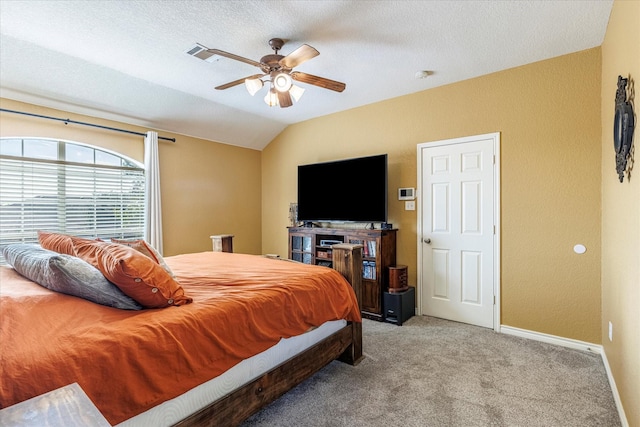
[146, 249]
[135, 274]
[58, 242]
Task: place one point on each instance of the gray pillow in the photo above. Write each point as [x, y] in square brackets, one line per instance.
[66, 274]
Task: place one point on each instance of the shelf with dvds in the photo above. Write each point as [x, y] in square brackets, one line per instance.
[369, 270]
[313, 246]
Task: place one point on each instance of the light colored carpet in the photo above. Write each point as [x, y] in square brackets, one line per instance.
[433, 372]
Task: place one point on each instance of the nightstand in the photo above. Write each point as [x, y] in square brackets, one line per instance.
[68, 406]
[222, 242]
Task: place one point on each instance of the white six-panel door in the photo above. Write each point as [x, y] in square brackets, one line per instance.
[456, 230]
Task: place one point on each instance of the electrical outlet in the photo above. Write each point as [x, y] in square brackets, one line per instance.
[410, 205]
[610, 331]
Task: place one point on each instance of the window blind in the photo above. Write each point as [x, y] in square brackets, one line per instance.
[83, 199]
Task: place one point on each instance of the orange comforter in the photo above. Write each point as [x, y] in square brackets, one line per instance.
[130, 361]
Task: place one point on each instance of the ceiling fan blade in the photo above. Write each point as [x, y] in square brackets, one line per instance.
[318, 81]
[298, 56]
[239, 81]
[284, 99]
[236, 57]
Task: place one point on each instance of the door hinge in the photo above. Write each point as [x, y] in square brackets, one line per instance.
[494, 229]
[494, 300]
[494, 159]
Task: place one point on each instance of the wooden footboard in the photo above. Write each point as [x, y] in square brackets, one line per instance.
[345, 345]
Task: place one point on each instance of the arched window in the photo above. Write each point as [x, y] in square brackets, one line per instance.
[68, 187]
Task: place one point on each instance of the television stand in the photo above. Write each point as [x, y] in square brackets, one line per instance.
[314, 246]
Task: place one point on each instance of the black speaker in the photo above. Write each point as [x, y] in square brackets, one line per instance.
[399, 307]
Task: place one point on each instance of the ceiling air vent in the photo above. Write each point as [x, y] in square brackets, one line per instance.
[202, 52]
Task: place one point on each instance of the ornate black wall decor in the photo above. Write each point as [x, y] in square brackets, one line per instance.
[623, 126]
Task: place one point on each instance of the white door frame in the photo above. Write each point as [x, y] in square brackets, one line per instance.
[496, 215]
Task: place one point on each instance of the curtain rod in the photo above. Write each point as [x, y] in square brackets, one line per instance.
[67, 121]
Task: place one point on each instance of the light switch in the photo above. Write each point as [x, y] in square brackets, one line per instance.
[410, 205]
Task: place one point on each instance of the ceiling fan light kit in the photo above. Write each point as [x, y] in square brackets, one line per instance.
[279, 68]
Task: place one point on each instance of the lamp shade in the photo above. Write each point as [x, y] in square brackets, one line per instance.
[282, 82]
[296, 92]
[253, 85]
[271, 98]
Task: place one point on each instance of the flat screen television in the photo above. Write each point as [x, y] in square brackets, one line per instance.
[350, 190]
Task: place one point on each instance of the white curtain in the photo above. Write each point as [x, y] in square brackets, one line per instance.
[153, 208]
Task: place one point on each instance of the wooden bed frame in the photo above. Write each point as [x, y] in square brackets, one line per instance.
[344, 345]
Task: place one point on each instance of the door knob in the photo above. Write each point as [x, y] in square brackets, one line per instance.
[427, 241]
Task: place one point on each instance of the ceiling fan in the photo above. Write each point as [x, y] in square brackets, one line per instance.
[279, 70]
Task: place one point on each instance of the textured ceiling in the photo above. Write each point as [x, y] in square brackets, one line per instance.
[126, 60]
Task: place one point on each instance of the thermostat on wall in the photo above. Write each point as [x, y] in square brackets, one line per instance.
[406, 193]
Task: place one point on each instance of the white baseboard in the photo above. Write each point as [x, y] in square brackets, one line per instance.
[614, 389]
[552, 339]
[578, 345]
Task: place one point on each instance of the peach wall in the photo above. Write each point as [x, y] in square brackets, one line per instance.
[621, 215]
[548, 114]
[207, 188]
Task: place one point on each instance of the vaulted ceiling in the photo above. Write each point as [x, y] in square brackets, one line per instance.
[127, 60]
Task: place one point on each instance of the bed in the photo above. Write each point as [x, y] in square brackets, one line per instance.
[141, 366]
